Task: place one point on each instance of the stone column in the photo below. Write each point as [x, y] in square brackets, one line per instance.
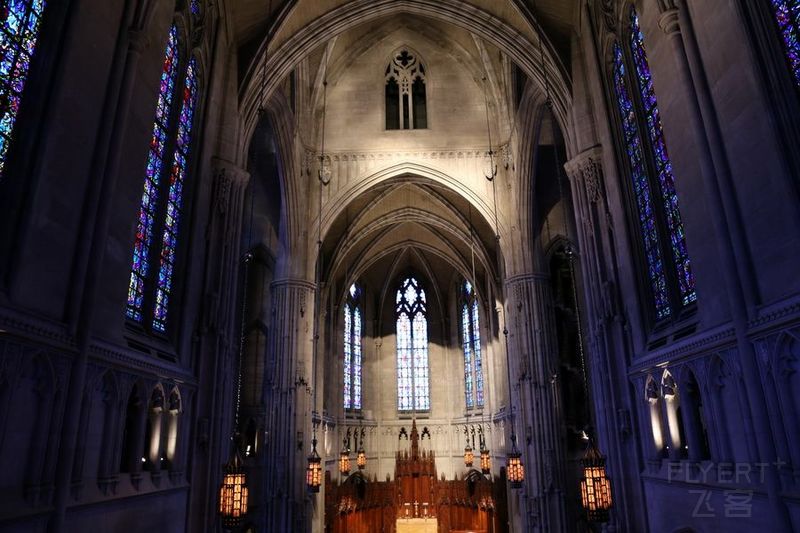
[288, 423]
[734, 262]
[605, 332]
[533, 365]
[216, 344]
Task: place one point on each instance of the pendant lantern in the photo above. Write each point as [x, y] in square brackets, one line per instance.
[233, 493]
[595, 486]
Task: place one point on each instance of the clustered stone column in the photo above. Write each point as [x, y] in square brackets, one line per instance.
[288, 372]
[533, 366]
[606, 342]
[217, 340]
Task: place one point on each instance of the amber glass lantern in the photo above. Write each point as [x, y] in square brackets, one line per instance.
[595, 486]
[344, 462]
[515, 470]
[469, 456]
[314, 469]
[233, 493]
[361, 458]
[486, 462]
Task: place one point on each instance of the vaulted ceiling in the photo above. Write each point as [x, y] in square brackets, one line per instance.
[251, 17]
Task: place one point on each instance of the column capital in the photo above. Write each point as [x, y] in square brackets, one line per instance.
[587, 166]
[669, 23]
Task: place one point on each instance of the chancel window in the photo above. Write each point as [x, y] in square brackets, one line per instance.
[20, 22]
[471, 342]
[153, 265]
[787, 17]
[669, 269]
[406, 104]
[353, 323]
[413, 387]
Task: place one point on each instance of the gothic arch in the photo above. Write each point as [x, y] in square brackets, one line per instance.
[520, 49]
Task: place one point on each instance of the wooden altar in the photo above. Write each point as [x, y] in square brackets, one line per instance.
[415, 499]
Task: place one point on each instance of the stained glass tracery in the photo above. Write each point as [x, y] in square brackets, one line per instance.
[155, 164]
[666, 180]
[352, 349]
[652, 196]
[471, 342]
[175, 197]
[641, 188]
[787, 17]
[413, 371]
[20, 21]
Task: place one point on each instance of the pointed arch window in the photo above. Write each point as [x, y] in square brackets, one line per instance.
[406, 102]
[471, 342]
[20, 22]
[353, 324]
[413, 375]
[669, 269]
[787, 17]
[151, 280]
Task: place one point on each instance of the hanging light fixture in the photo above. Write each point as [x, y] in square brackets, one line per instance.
[469, 455]
[314, 470]
[314, 467]
[595, 486]
[486, 459]
[344, 459]
[361, 457]
[233, 493]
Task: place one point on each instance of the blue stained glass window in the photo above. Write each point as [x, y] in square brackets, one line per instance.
[471, 342]
[413, 372]
[666, 180]
[155, 164]
[20, 21]
[352, 349]
[194, 7]
[787, 16]
[177, 179]
[641, 187]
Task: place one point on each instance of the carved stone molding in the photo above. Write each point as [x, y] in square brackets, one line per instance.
[588, 167]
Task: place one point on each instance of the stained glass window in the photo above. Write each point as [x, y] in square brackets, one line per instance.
[787, 16]
[471, 342]
[155, 164]
[352, 349]
[175, 197]
[666, 180]
[641, 188]
[413, 373]
[194, 6]
[669, 268]
[21, 20]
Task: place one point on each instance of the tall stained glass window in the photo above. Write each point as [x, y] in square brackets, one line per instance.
[787, 16]
[353, 322]
[471, 342]
[153, 265]
[413, 379]
[20, 20]
[152, 181]
[669, 269]
[175, 197]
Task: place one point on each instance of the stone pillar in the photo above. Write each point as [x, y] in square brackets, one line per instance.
[605, 333]
[216, 344]
[533, 365]
[288, 423]
[735, 264]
